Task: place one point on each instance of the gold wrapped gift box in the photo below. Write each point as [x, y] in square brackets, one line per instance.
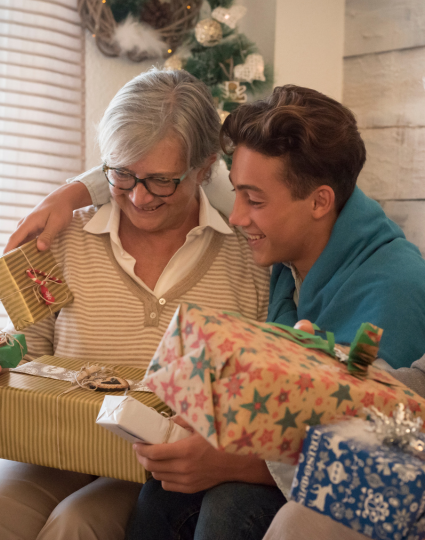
[42, 425]
[20, 295]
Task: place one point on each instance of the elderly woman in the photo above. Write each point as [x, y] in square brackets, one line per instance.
[158, 243]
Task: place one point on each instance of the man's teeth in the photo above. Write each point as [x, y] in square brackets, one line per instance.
[256, 236]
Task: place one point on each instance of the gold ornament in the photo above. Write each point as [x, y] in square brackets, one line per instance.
[233, 91]
[252, 69]
[222, 114]
[174, 62]
[208, 32]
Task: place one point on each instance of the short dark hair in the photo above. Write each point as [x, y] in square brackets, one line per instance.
[316, 137]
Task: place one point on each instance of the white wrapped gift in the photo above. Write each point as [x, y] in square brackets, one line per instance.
[135, 422]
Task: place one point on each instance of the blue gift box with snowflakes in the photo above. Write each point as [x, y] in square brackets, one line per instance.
[345, 473]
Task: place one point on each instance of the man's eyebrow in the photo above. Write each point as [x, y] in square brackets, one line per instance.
[246, 186]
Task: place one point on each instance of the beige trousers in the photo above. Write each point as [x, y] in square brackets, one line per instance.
[40, 503]
[297, 522]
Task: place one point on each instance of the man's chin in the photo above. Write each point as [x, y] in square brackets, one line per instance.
[261, 259]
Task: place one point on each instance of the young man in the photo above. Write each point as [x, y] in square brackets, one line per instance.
[338, 260]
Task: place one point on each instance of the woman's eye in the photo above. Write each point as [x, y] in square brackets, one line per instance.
[159, 180]
[122, 175]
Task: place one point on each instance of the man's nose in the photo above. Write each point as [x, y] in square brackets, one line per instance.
[239, 216]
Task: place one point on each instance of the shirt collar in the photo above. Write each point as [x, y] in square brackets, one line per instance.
[107, 219]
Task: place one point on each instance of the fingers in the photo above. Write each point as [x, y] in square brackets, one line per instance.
[155, 452]
[46, 238]
[20, 236]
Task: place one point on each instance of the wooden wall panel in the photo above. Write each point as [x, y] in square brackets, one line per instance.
[386, 89]
[383, 25]
[395, 166]
[410, 216]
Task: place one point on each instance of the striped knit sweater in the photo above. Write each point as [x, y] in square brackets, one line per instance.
[114, 320]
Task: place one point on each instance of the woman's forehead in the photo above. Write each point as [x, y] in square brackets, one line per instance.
[167, 156]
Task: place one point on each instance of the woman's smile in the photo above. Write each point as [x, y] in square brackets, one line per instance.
[147, 209]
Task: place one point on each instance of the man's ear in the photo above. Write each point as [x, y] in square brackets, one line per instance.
[204, 172]
[323, 202]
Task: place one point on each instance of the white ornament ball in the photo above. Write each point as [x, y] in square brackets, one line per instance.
[208, 32]
[172, 63]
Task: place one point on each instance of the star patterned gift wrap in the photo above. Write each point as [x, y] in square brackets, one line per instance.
[251, 388]
[345, 473]
[32, 285]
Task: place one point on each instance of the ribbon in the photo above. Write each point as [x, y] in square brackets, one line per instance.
[363, 351]
[8, 339]
[44, 291]
[306, 340]
[401, 430]
[40, 289]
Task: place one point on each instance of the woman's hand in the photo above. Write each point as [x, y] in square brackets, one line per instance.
[50, 216]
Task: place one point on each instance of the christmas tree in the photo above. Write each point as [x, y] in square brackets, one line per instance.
[213, 50]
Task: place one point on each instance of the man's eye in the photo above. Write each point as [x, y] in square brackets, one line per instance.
[253, 203]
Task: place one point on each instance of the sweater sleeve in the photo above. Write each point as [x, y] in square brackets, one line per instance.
[96, 183]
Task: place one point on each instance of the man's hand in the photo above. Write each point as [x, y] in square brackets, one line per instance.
[50, 216]
[192, 465]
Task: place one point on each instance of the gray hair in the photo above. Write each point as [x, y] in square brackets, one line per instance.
[153, 104]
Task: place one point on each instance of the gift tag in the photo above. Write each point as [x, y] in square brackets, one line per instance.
[109, 384]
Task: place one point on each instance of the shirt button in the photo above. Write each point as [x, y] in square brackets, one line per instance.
[162, 301]
[153, 315]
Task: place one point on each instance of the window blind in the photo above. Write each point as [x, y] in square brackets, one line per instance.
[41, 104]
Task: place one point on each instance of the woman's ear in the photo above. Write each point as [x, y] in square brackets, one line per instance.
[323, 202]
[205, 171]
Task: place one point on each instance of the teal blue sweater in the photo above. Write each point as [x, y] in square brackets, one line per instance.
[368, 272]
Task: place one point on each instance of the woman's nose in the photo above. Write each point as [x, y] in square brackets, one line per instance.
[140, 195]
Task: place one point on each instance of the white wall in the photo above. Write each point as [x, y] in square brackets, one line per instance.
[309, 44]
[104, 77]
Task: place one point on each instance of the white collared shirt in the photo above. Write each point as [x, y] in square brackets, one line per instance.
[107, 220]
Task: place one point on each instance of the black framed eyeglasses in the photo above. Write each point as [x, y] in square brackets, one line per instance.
[155, 185]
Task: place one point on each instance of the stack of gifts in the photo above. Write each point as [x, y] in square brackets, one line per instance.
[49, 407]
[346, 473]
[253, 388]
[48, 411]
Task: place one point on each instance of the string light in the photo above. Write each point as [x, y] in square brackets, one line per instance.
[170, 51]
[93, 35]
[188, 7]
